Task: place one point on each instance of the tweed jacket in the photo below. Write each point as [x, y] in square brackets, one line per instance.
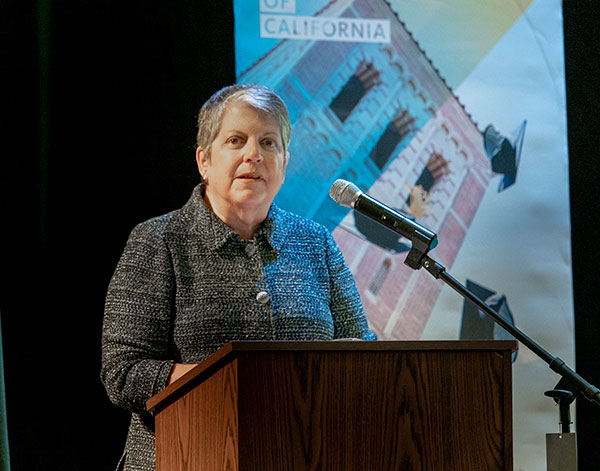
[187, 284]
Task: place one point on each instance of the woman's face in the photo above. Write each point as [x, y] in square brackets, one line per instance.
[247, 161]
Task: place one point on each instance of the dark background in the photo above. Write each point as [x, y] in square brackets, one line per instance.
[99, 100]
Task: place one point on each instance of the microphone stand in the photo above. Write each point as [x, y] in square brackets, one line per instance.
[423, 240]
[557, 365]
[565, 392]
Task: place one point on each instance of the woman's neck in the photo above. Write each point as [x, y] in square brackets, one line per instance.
[243, 220]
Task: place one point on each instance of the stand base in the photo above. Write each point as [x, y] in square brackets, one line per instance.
[561, 451]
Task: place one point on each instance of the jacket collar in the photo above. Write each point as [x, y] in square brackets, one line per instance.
[215, 234]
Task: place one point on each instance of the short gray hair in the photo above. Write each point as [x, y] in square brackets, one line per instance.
[259, 97]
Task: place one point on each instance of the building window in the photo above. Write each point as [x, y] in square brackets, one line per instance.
[365, 78]
[436, 168]
[399, 128]
[380, 276]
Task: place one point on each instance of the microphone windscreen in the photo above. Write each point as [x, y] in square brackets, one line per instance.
[344, 192]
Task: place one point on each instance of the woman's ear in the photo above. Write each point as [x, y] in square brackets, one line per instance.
[201, 162]
[285, 164]
[287, 159]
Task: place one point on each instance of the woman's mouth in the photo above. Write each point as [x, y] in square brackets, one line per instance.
[249, 176]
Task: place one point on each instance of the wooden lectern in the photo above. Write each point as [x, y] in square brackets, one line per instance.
[342, 405]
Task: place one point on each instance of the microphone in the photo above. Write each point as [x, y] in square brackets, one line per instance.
[348, 194]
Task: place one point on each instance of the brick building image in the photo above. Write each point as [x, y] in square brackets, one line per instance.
[381, 116]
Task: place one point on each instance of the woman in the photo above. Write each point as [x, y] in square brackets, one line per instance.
[229, 265]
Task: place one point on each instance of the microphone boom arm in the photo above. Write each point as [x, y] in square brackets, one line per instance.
[423, 240]
[574, 380]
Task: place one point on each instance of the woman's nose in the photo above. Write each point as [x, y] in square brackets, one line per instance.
[252, 153]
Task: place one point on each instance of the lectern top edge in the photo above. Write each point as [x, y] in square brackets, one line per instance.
[369, 345]
[228, 352]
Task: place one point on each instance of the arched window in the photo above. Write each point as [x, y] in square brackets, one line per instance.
[400, 127]
[380, 276]
[365, 78]
[436, 168]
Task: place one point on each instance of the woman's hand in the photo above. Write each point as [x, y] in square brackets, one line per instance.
[178, 370]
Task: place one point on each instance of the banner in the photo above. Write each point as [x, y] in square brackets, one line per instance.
[454, 114]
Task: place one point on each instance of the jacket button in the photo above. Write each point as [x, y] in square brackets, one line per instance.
[250, 249]
[262, 297]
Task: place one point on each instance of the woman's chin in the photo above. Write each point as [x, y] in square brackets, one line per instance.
[250, 197]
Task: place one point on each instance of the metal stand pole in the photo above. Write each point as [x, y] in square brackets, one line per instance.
[561, 448]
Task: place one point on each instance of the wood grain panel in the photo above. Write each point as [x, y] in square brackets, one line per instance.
[387, 411]
[356, 406]
[200, 431]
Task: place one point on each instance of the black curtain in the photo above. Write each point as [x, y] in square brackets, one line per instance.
[582, 61]
[99, 100]
[102, 100]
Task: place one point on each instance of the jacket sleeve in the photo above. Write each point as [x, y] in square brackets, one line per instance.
[137, 321]
[349, 318]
